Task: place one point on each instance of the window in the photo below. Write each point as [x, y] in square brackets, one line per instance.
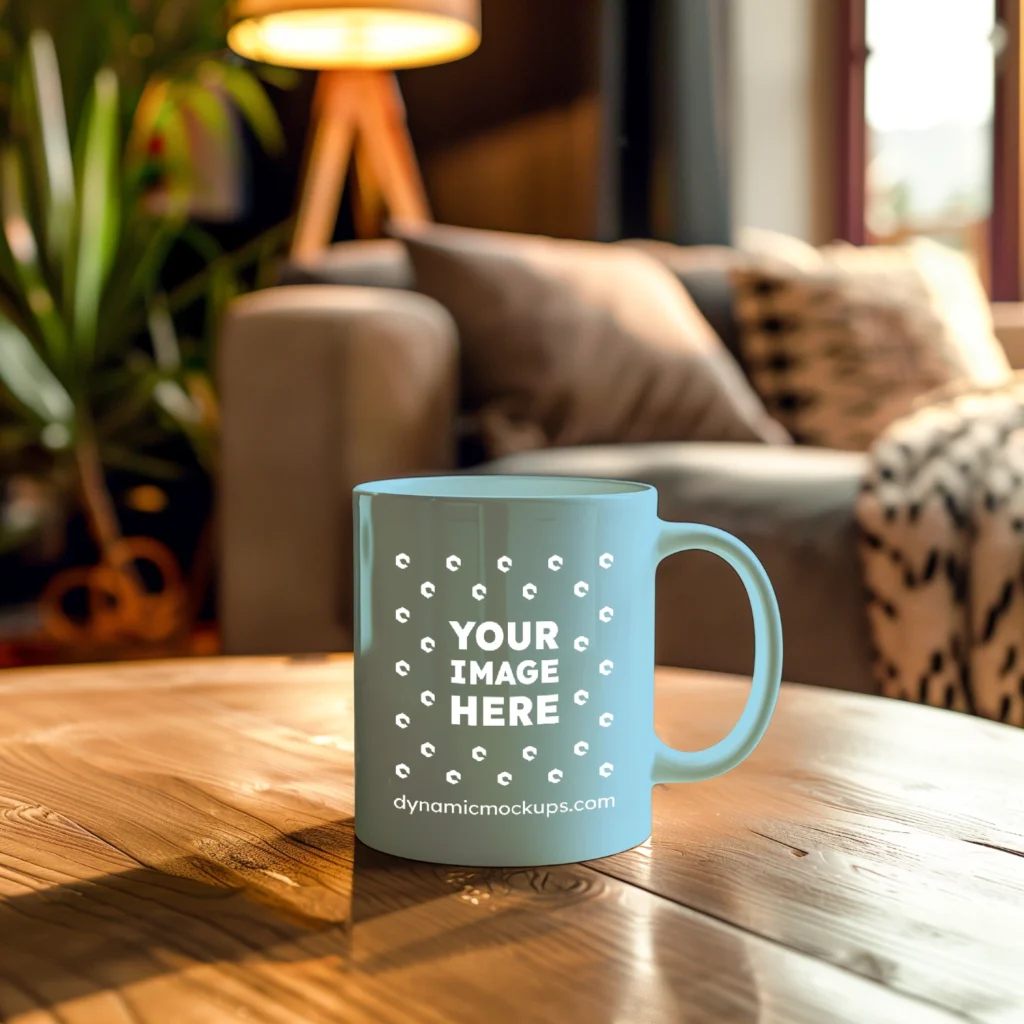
[929, 87]
[931, 101]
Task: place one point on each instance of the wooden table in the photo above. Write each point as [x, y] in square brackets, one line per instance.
[176, 846]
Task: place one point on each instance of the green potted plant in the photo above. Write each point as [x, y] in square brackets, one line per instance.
[97, 183]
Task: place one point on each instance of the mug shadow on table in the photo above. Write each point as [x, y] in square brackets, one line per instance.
[316, 894]
[319, 896]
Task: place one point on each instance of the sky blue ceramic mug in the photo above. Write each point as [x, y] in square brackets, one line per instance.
[504, 667]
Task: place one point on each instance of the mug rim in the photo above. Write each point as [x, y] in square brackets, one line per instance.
[563, 488]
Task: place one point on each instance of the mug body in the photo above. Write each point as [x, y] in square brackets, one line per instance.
[504, 668]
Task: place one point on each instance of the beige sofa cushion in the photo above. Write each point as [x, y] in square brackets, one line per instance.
[568, 342]
[841, 347]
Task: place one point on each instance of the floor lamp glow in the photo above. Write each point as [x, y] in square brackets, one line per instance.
[358, 111]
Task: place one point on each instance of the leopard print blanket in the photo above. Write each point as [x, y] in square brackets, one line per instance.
[941, 518]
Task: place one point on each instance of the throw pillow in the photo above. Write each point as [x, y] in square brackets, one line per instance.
[704, 271]
[839, 349]
[762, 243]
[568, 343]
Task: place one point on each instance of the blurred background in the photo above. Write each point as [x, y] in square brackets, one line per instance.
[149, 175]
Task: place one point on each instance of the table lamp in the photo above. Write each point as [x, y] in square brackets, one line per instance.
[356, 45]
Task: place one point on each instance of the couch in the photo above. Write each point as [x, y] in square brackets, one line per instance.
[346, 374]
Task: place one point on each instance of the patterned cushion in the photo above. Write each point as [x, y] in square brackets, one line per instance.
[841, 348]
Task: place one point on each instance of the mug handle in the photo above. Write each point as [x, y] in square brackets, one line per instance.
[671, 765]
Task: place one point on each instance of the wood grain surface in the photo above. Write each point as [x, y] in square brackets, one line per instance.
[176, 845]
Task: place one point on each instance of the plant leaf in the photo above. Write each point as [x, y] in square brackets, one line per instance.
[24, 252]
[99, 211]
[197, 287]
[29, 379]
[135, 399]
[13, 307]
[177, 403]
[203, 243]
[252, 101]
[164, 337]
[145, 243]
[224, 287]
[194, 412]
[121, 457]
[178, 186]
[268, 263]
[279, 77]
[58, 168]
[144, 123]
[208, 107]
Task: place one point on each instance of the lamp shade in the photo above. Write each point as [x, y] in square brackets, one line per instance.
[324, 34]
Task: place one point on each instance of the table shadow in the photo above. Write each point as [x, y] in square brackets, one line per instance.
[303, 897]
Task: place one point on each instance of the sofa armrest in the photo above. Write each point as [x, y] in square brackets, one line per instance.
[324, 387]
[1008, 319]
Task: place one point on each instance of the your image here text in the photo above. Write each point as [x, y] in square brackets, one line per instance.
[489, 637]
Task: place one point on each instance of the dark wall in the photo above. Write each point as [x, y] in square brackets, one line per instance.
[535, 56]
[521, 135]
[583, 118]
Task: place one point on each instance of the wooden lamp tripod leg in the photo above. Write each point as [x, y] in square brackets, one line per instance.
[385, 136]
[370, 104]
[334, 128]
